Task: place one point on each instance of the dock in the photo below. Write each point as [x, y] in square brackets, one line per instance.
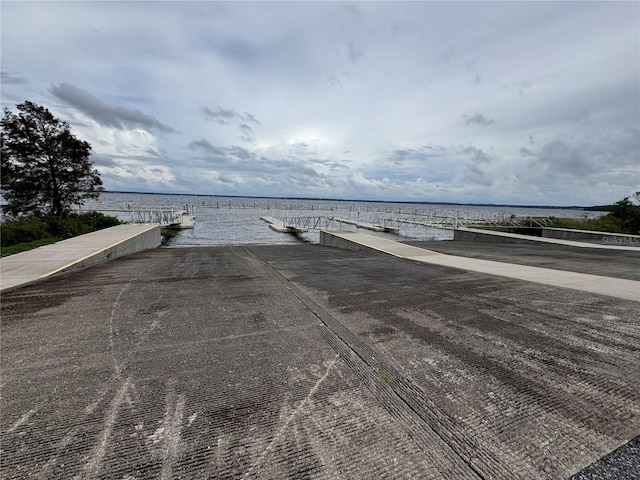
[279, 226]
[171, 218]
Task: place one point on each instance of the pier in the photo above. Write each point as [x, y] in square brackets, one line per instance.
[281, 227]
[304, 224]
[369, 226]
[175, 219]
[452, 223]
[393, 224]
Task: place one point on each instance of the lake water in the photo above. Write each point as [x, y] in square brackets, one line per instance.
[236, 220]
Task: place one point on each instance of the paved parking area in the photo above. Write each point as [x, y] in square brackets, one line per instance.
[302, 361]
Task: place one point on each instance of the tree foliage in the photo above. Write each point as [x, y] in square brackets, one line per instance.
[45, 168]
[627, 213]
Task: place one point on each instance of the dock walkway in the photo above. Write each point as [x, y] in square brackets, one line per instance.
[279, 226]
[368, 226]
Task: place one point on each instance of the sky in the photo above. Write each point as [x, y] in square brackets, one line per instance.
[527, 103]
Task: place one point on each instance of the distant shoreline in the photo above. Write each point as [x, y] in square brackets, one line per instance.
[562, 207]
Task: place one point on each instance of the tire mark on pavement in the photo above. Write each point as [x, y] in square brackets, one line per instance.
[113, 331]
[172, 430]
[94, 464]
[291, 417]
[400, 396]
[24, 418]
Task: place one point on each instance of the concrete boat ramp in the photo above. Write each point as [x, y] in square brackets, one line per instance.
[81, 251]
[616, 287]
[307, 361]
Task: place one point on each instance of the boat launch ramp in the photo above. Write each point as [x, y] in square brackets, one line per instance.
[300, 361]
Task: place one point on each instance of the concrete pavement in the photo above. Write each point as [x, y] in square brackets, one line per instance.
[615, 287]
[607, 263]
[84, 250]
[302, 361]
[599, 240]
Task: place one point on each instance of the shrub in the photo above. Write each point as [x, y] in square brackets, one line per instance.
[31, 229]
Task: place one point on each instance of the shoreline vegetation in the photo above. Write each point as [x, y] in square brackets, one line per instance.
[29, 232]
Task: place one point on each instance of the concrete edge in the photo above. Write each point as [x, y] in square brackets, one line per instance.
[145, 240]
[607, 238]
[478, 235]
[336, 239]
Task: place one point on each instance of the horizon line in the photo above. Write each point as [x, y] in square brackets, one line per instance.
[418, 202]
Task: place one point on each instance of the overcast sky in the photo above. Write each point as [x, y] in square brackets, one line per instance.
[490, 102]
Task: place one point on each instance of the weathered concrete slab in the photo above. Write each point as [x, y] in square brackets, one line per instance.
[604, 262]
[604, 238]
[610, 242]
[310, 362]
[81, 251]
[615, 287]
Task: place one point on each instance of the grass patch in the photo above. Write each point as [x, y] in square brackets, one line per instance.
[23, 247]
[168, 234]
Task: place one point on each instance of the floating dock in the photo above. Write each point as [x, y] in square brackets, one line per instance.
[175, 219]
[279, 226]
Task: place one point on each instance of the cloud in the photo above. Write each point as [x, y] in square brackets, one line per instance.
[477, 155]
[240, 160]
[103, 160]
[103, 114]
[206, 147]
[231, 117]
[587, 157]
[246, 133]
[148, 176]
[478, 119]
[226, 117]
[9, 79]
[412, 156]
[354, 52]
[220, 115]
[354, 11]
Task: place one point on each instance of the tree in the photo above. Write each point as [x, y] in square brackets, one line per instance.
[627, 213]
[45, 168]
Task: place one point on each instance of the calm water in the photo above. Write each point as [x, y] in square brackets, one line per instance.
[236, 220]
